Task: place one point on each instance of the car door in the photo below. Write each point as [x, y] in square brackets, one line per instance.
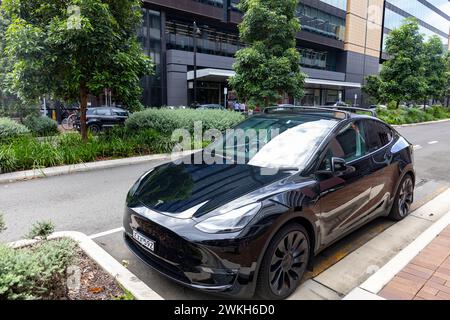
[346, 199]
[119, 116]
[104, 116]
[385, 171]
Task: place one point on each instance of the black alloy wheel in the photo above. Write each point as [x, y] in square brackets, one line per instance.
[94, 129]
[285, 263]
[403, 200]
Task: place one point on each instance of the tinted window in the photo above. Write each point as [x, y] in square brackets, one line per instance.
[378, 135]
[349, 144]
[120, 112]
[103, 112]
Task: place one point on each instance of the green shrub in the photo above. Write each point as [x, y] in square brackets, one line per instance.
[438, 112]
[34, 273]
[41, 126]
[11, 129]
[413, 115]
[166, 121]
[41, 229]
[392, 105]
[8, 160]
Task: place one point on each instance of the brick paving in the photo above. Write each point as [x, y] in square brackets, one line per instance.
[427, 276]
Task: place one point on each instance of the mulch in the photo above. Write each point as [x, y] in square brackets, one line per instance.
[94, 283]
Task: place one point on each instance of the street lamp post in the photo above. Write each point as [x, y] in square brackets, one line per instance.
[196, 33]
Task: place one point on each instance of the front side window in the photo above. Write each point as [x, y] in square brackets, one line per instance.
[378, 135]
[349, 144]
[103, 112]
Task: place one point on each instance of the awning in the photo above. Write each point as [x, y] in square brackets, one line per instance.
[211, 74]
[218, 75]
[332, 84]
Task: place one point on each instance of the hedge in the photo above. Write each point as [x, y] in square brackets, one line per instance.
[41, 126]
[11, 129]
[413, 115]
[166, 120]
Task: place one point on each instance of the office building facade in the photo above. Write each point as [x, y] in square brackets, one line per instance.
[341, 42]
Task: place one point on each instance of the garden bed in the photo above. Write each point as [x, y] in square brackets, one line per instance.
[413, 115]
[95, 283]
[55, 270]
[146, 133]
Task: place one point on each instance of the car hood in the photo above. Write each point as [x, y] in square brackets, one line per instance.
[190, 191]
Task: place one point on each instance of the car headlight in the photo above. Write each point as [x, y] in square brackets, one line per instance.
[230, 221]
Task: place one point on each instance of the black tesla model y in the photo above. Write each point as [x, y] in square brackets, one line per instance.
[252, 221]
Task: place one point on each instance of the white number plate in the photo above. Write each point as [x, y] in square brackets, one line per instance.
[146, 242]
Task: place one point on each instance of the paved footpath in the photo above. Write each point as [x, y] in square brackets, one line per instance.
[427, 276]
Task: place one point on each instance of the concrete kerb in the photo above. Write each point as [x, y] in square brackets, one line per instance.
[122, 275]
[84, 167]
[369, 289]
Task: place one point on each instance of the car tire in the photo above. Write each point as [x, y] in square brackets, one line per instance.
[403, 199]
[94, 129]
[284, 264]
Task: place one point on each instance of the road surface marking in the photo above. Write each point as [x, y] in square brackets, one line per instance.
[106, 233]
[433, 142]
[417, 147]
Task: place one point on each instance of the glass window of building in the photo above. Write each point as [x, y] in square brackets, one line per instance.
[341, 4]
[320, 22]
[149, 35]
[211, 40]
[215, 3]
[394, 20]
[423, 12]
[322, 60]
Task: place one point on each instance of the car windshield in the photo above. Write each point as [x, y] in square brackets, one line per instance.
[274, 141]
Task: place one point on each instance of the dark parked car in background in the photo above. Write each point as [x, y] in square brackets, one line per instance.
[235, 229]
[101, 118]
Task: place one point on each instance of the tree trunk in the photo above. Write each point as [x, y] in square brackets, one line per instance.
[398, 104]
[83, 108]
[266, 102]
[425, 105]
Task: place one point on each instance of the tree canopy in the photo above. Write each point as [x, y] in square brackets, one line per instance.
[436, 68]
[415, 71]
[270, 64]
[71, 48]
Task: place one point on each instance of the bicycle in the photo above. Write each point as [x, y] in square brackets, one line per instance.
[69, 122]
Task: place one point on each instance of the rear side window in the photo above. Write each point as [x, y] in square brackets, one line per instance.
[120, 112]
[379, 135]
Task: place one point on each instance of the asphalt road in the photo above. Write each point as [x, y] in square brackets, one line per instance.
[92, 203]
[432, 150]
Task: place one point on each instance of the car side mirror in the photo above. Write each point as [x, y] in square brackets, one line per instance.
[338, 166]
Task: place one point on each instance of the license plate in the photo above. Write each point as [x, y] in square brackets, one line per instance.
[144, 241]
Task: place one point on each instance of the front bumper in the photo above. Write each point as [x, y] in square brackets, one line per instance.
[223, 264]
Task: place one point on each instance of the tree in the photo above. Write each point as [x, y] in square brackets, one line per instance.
[436, 69]
[372, 87]
[447, 91]
[270, 65]
[68, 49]
[402, 77]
